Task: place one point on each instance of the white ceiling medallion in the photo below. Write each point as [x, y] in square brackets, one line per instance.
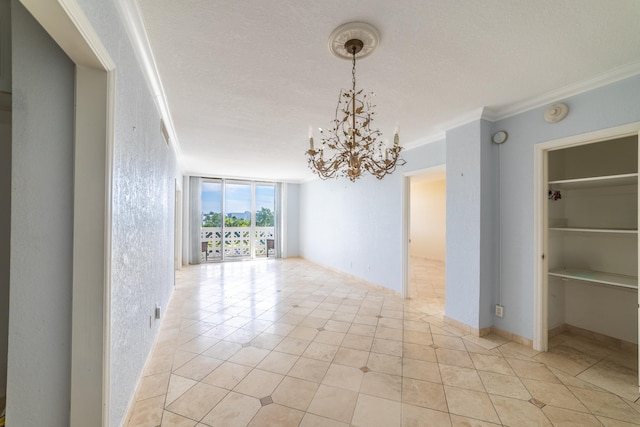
[368, 34]
[556, 112]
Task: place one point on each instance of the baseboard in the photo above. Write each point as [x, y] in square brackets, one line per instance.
[486, 331]
[513, 337]
[557, 330]
[466, 328]
[601, 338]
[353, 277]
[132, 399]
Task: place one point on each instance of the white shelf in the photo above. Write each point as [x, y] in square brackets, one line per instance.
[596, 230]
[619, 280]
[595, 181]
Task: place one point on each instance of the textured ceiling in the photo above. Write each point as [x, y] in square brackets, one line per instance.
[245, 79]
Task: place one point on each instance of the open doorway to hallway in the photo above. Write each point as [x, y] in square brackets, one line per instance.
[427, 239]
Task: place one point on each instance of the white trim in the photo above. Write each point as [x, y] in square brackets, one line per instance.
[494, 115]
[483, 113]
[283, 220]
[540, 285]
[108, 233]
[604, 79]
[406, 219]
[69, 27]
[66, 23]
[540, 313]
[439, 136]
[134, 25]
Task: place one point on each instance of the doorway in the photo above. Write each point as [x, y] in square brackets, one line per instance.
[426, 238]
[586, 246]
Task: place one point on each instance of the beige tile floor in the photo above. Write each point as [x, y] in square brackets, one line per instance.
[288, 343]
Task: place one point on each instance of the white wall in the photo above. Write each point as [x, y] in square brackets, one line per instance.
[38, 384]
[606, 310]
[428, 219]
[356, 227]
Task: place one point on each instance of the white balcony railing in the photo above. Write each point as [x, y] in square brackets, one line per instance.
[236, 242]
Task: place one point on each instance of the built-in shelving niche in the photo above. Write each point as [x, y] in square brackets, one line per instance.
[592, 237]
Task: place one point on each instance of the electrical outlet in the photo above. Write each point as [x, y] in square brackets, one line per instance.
[499, 310]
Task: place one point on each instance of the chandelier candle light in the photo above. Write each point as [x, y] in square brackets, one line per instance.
[352, 147]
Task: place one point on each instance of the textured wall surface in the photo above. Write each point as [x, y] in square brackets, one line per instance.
[143, 212]
[463, 223]
[144, 173]
[38, 382]
[489, 218]
[608, 106]
[356, 227]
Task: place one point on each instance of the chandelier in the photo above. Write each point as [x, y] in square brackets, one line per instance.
[352, 146]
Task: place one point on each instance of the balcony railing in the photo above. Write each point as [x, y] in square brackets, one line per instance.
[236, 242]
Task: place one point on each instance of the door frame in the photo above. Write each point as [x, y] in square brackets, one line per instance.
[406, 220]
[67, 25]
[540, 279]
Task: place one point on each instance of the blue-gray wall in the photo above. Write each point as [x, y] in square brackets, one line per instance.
[38, 384]
[355, 228]
[144, 174]
[472, 206]
[608, 106]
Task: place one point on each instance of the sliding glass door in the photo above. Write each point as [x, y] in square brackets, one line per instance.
[211, 231]
[265, 220]
[238, 220]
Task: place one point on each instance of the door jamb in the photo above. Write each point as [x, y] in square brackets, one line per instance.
[540, 287]
[67, 25]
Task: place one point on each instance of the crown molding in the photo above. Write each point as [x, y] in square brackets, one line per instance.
[495, 114]
[604, 79]
[440, 133]
[434, 137]
[134, 25]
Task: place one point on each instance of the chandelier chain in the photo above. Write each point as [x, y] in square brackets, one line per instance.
[353, 70]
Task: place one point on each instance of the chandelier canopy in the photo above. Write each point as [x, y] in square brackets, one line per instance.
[352, 146]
